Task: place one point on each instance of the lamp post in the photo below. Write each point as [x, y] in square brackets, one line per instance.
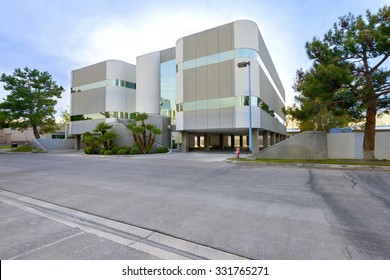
[243, 65]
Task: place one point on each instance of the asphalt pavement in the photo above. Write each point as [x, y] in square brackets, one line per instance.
[188, 206]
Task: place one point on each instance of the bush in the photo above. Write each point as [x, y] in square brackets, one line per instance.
[122, 151]
[108, 153]
[89, 151]
[135, 150]
[162, 150]
[115, 149]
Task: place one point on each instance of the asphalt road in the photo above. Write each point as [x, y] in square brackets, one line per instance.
[192, 205]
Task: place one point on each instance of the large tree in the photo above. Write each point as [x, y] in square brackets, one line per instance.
[31, 101]
[349, 76]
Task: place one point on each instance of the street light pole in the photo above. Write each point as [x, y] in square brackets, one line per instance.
[243, 65]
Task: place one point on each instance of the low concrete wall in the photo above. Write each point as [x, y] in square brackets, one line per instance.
[125, 137]
[322, 145]
[306, 145]
[382, 145]
[57, 144]
[345, 145]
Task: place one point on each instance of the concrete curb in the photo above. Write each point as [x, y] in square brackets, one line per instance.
[315, 165]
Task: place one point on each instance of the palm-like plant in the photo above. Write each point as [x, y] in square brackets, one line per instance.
[144, 135]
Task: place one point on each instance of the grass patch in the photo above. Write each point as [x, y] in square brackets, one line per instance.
[5, 147]
[321, 161]
[22, 149]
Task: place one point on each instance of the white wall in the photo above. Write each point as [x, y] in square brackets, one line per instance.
[148, 83]
[350, 145]
[382, 145]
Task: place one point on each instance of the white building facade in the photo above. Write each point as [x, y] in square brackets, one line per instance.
[197, 84]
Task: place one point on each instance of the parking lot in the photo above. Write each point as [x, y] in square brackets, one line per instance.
[188, 206]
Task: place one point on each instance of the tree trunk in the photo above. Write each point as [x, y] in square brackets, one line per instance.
[369, 131]
[36, 132]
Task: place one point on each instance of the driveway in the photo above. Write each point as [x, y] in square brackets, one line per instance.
[194, 205]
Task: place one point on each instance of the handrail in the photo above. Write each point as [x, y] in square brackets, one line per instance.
[34, 140]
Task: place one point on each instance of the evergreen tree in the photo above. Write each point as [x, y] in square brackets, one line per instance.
[348, 81]
[31, 101]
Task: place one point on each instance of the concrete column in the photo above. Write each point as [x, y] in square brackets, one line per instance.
[198, 141]
[78, 142]
[241, 141]
[255, 141]
[232, 141]
[272, 140]
[221, 142]
[278, 138]
[185, 141]
[265, 139]
[206, 142]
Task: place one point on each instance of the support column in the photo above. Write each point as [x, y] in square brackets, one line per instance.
[232, 141]
[185, 141]
[241, 141]
[78, 142]
[278, 138]
[206, 142]
[265, 139]
[198, 141]
[272, 140]
[255, 141]
[221, 142]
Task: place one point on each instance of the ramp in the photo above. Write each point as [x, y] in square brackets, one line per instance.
[306, 145]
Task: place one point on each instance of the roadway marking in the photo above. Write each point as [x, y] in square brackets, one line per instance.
[153, 243]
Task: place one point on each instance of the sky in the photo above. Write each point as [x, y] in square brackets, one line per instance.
[59, 36]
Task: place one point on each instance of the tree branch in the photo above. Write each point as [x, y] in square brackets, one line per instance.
[380, 63]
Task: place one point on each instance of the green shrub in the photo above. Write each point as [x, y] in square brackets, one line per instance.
[22, 149]
[122, 151]
[128, 150]
[89, 151]
[162, 150]
[115, 149]
[108, 153]
[135, 150]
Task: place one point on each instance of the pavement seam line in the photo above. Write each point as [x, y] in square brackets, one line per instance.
[47, 245]
[165, 246]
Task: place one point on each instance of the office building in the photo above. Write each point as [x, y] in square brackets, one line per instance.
[197, 84]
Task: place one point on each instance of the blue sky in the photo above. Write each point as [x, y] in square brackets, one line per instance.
[59, 36]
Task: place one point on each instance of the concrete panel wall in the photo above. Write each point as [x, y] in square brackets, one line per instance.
[116, 69]
[148, 83]
[80, 127]
[269, 95]
[89, 74]
[307, 145]
[382, 145]
[56, 144]
[246, 35]
[242, 117]
[350, 145]
[266, 58]
[119, 99]
[226, 79]
[345, 145]
[270, 123]
[320, 145]
[226, 37]
[87, 102]
[167, 54]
